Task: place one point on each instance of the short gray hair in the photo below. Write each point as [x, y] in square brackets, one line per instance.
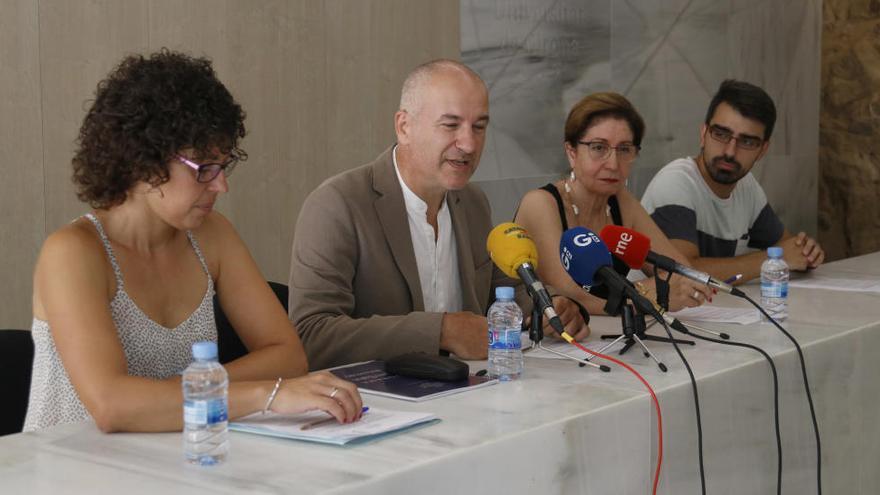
[416, 79]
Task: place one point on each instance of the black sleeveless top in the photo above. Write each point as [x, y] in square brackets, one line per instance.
[619, 266]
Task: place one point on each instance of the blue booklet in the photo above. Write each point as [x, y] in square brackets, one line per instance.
[371, 378]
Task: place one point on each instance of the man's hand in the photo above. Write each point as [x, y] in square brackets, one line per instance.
[465, 334]
[572, 321]
[802, 252]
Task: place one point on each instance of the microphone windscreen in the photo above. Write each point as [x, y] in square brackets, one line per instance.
[510, 246]
[630, 246]
[582, 253]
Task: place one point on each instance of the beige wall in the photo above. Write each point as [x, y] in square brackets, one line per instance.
[319, 80]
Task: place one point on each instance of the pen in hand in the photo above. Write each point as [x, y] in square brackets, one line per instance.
[320, 422]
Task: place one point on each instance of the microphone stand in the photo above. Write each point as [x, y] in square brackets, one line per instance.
[662, 286]
[617, 303]
[536, 335]
[633, 324]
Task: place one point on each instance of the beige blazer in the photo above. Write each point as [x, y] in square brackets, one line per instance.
[354, 283]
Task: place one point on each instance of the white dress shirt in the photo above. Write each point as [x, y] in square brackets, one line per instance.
[437, 259]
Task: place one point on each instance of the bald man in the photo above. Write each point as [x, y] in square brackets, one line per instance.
[390, 257]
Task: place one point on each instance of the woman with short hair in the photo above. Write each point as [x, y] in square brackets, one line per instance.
[603, 136]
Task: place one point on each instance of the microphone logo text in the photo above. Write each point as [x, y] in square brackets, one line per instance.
[625, 238]
[585, 239]
[565, 258]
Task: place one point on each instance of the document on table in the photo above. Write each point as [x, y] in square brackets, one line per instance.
[373, 424]
[816, 281]
[717, 314]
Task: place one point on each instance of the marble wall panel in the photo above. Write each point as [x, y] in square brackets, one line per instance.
[668, 57]
[668, 77]
[535, 56]
[787, 66]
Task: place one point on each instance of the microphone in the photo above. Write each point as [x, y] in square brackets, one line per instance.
[514, 252]
[588, 262]
[634, 248]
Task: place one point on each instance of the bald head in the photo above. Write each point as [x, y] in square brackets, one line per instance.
[419, 79]
[440, 128]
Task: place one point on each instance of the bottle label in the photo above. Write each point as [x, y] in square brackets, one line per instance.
[774, 289]
[504, 340]
[204, 412]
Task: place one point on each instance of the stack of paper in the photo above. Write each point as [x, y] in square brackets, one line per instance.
[373, 424]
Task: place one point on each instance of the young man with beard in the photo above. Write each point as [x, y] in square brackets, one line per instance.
[390, 257]
[711, 207]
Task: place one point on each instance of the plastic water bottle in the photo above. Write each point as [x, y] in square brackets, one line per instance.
[505, 323]
[774, 285]
[205, 396]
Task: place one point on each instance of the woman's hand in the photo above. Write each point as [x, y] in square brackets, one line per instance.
[319, 391]
[683, 292]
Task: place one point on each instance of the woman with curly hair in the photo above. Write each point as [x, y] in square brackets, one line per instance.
[121, 293]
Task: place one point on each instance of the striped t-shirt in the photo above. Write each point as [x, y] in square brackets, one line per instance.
[684, 207]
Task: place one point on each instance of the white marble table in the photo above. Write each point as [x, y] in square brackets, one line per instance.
[559, 430]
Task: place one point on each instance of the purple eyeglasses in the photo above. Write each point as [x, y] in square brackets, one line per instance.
[209, 171]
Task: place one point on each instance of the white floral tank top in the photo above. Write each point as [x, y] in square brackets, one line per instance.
[151, 350]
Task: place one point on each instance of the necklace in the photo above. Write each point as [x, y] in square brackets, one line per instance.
[566, 184]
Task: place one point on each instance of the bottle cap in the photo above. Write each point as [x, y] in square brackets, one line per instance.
[774, 252]
[204, 350]
[503, 292]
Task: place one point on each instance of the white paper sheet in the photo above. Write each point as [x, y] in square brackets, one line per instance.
[816, 281]
[718, 314]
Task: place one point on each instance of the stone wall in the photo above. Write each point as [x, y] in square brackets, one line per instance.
[849, 126]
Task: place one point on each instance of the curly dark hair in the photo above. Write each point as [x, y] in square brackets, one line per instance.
[144, 112]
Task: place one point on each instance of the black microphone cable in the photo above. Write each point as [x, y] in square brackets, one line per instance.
[696, 403]
[806, 387]
[683, 329]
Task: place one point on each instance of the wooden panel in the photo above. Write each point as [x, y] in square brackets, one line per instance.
[80, 43]
[371, 46]
[319, 81]
[271, 57]
[242, 40]
[21, 168]
[302, 141]
[352, 86]
[408, 33]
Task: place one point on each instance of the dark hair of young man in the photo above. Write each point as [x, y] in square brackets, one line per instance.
[749, 100]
